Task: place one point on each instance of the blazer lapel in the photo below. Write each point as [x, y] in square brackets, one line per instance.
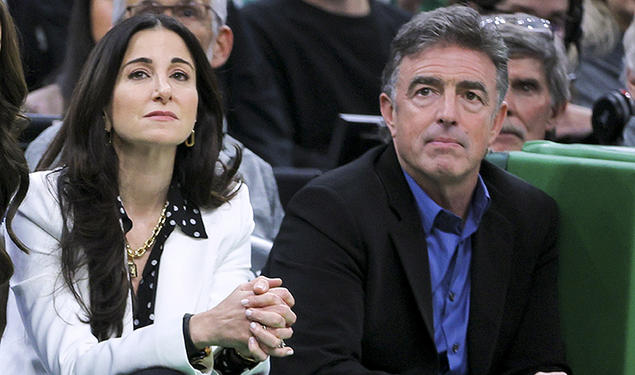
[406, 232]
[490, 271]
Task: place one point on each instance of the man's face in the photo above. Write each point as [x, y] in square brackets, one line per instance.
[529, 110]
[191, 13]
[444, 113]
[553, 10]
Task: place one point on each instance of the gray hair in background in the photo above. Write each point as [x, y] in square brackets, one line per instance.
[523, 42]
[629, 47]
[218, 6]
[453, 25]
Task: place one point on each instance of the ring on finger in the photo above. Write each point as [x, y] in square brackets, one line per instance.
[264, 327]
[282, 344]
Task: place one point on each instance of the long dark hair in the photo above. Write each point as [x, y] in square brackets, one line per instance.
[88, 185]
[79, 44]
[14, 173]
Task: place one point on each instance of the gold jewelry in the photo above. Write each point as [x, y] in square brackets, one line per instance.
[189, 142]
[136, 253]
[248, 359]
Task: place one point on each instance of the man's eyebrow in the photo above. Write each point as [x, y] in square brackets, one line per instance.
[473, 85]
[423, 80]
[177, 60]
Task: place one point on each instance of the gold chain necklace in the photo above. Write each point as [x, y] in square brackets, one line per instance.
[136, 253]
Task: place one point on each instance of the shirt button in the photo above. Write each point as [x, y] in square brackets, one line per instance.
[451, 296]
[455, 348]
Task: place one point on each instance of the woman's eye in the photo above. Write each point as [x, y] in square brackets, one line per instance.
[138, 74]
[180, 76]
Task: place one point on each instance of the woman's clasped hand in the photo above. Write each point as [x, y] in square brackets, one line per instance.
[254, 319]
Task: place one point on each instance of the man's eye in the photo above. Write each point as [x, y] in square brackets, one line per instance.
[187, 12]
[471, 96]
[425, 91]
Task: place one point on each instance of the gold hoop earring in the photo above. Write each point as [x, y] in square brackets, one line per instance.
[189, 142]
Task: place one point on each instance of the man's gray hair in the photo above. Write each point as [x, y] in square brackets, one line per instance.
[629, 46]
[218, 6]
[453, 25]
[524, 42]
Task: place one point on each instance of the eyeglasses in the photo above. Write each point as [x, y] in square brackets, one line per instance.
[186, 13]
[530, 23]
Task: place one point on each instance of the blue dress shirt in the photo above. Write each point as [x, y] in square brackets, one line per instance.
[449, 244]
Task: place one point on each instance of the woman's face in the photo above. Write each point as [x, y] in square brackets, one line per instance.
[155, 97]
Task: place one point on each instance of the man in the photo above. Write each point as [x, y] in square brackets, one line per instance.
[538, 86]
[326, 58]
[208, 24]
[629, 73]
[420, 257]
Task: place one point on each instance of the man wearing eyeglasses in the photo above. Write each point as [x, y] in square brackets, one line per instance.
[420, 257]
[538, 90]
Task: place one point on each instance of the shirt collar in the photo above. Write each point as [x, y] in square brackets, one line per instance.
[179, 212]
[433, 215]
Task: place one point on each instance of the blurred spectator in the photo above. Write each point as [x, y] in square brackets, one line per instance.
[327, 58]
[538, 86]
[629, 67]
[601, 60]
[43, 30]
[252, 99]
[89, 21]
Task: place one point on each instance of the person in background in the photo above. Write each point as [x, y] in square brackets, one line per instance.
[538, 90]
[629, 74]
[437, 262]
[216, 38]
[326, 58]
[89, 21]
[602, 56]
[14, 175]
[574, 125]
[43, 28]
[136, 243]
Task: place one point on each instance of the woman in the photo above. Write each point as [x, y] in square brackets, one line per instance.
[141, 155]
[14, 178]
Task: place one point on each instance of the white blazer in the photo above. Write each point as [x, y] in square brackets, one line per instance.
[45, 334]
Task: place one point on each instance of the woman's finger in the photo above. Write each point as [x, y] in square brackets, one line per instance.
[277, 316]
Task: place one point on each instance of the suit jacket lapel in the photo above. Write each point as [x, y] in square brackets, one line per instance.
[405, 229]
[490, 272]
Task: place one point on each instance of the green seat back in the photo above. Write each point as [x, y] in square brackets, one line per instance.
[595, 190]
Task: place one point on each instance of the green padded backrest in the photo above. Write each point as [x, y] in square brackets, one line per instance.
[595, 190]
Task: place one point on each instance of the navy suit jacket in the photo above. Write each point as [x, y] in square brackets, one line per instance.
[353, 253]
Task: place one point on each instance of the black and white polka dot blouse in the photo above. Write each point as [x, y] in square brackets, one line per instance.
[178, 213]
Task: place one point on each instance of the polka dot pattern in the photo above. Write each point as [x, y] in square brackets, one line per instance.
[182, 215]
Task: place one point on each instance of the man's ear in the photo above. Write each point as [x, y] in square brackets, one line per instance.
[388, 112]
[554, 116]
[222, 46]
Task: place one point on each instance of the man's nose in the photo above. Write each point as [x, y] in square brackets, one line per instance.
[510, 99]
[447, 112]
